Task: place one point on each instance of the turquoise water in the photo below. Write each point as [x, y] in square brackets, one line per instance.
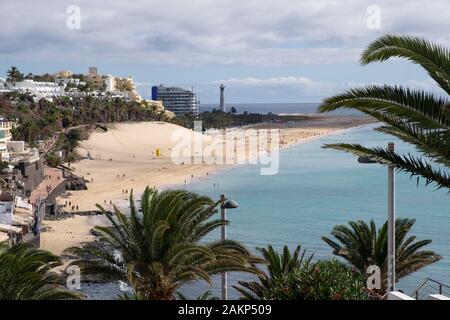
[317, 189]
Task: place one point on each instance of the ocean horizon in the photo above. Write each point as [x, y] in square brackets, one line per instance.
[277, 108]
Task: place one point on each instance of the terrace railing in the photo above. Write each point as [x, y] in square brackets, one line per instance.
[430, 286]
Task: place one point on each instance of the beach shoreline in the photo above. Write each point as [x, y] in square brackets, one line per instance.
[134, 169]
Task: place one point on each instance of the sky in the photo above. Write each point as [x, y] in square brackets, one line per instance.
[263, 51]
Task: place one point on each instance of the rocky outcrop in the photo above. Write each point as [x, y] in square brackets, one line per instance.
[62, 214]
[76, 183]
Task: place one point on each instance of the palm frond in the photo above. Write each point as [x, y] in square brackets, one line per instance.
[414, 116]
[162, 248]
[25, 275]
[434, 58]
[415, 106]
[362, 246]
[407, 163]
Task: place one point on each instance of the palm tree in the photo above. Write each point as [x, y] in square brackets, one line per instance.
[363, 245]
[279, 268]
[25, 275]
[161, 247]
[207, 295]
[14, 75]
[415, 116]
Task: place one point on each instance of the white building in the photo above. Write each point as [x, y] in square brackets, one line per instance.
[66, 81]
[4, 155]
[3, 86]
[15, 147]
[7, 126]
[5, 137]
[6, 208]
[47, 90]
[15, 215]
[110, 83]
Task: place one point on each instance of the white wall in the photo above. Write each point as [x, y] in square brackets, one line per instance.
[396, 295]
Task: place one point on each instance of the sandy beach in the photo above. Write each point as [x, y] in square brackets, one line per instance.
[125, 157]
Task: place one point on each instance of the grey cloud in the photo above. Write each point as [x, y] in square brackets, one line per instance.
[179, 32]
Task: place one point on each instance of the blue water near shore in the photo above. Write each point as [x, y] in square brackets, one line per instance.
[315, 190]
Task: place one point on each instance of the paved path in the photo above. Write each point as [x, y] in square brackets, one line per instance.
[53, 178]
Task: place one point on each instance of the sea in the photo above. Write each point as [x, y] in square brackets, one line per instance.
[315, 190]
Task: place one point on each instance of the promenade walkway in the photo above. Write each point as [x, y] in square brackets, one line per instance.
[53, 178]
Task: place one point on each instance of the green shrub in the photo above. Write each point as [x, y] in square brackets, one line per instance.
[322, 280]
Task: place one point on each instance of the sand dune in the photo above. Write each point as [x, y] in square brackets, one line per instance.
[124, 158]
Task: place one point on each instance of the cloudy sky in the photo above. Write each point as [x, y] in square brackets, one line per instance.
[264, 51]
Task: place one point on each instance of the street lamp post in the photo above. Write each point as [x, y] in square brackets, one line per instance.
[391, 219]
[224, 205]
[391, 223]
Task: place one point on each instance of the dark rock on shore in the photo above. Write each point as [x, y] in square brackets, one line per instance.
[61, 215]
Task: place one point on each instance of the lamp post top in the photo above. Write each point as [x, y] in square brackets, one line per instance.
[391, 146]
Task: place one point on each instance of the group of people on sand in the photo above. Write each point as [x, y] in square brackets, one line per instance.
[192, 178]
[72, 207]
[207, 174]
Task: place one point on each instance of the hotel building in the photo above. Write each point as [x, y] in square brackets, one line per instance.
[177, 100]
[39, 90]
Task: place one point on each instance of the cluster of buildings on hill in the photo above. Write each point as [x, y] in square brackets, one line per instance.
[25, 183]
[66, 84]
[21, 174]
